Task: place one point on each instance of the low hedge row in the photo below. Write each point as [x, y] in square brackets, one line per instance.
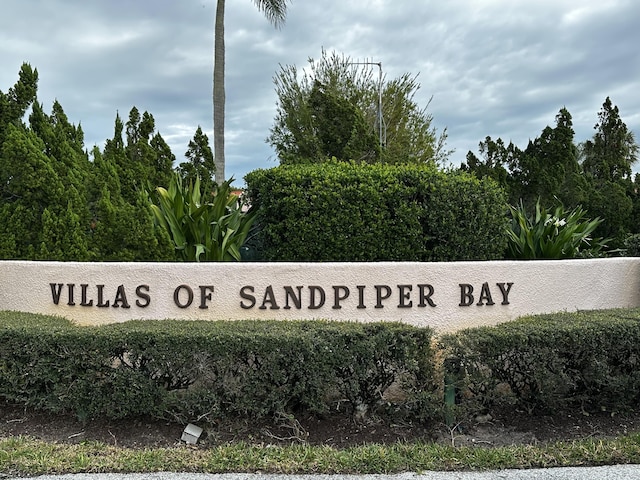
[189, 370]
[252, 369]
[584, 360]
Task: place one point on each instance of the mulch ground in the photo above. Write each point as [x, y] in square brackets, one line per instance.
[506, 427]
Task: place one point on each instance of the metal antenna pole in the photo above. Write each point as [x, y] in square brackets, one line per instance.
[381, 134]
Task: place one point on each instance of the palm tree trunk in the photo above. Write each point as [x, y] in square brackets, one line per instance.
[218, 93]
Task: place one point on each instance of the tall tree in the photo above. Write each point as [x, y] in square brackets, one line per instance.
[337, 101]
[606, 161]
[15, 103]
[121, 230]
[199, 163]
[57, 205]
[64, 145]
[38, 219]
[144, 157]
[43, 168]
[546, 170]
[275, 11]
[495, 162]
[548, 163]
[613, 150]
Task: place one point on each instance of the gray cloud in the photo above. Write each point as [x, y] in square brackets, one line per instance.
[496, 67]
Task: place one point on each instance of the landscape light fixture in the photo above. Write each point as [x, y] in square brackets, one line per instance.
[191, 433]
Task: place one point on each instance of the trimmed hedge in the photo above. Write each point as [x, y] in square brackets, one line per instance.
[339, 211]
[587, 361]
[187, 370]
[583, 360]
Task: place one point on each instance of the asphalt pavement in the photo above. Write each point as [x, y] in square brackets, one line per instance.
[614, 472]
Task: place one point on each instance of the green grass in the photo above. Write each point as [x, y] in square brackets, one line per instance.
[26, 456]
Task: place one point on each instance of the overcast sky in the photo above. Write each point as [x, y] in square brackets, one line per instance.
[494, 67]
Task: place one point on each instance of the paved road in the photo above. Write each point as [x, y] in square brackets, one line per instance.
[616, 472]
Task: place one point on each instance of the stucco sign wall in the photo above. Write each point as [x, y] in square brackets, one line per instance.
[446, 296]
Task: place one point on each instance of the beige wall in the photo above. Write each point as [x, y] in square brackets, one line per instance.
[447, 296]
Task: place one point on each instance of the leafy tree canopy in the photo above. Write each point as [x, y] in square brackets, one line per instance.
[332, 109]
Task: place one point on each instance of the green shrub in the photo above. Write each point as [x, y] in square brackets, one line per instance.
[632, 245]
[186, 370]
[339, 211]
[584, 360]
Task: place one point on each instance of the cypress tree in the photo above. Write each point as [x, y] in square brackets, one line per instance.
[121, 230]
[199, 163]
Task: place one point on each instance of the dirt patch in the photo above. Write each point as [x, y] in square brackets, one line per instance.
[517, 428]
[496, 429]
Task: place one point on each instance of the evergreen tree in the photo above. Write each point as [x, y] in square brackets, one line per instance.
[64, 146]
[409, 133]
[15, 103]
[161, 161]
[31, 193]
[13, 106]
[121, 230]
[606, 162]
[595, 175]
[199, 164]
[62, 236]
[613, 150]
[57, 205]
[43, 204]
[495, 162]
[611, 202]
[545, 169]
[145, 158]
